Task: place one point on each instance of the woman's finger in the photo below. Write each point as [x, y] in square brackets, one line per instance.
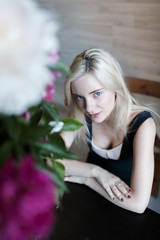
[109, 191]
[117, 193]
[124, 189]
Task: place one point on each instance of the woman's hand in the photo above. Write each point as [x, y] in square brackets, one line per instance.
[81, 172]
[112, 184]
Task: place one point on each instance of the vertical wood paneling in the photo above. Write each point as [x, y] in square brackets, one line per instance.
[128, 29]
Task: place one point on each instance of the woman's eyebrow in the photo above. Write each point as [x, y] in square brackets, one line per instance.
[89, 93]
[96, 90]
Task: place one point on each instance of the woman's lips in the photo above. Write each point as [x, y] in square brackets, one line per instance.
[95, 115]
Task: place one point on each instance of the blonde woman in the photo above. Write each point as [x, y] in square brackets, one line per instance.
[120, 132]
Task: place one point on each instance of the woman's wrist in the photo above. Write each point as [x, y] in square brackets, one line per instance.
[95, 171]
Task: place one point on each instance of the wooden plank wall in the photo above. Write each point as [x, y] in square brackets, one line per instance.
[128, 29]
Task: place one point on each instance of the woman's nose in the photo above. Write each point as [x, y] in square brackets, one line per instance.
[89, 105]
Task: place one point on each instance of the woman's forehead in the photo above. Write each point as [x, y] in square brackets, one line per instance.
[85, 84]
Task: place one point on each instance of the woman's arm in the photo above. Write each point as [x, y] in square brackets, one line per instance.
[78, 172]
[143, 168]
[143, 164]
[94, 185]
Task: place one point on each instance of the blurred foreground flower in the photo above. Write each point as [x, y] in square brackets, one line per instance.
[26, 196]
[49, 92]
[29, 125]
[28, 35]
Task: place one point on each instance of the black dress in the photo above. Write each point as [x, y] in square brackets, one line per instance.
[123, 166]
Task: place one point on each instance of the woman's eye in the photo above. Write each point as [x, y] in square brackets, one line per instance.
[97, 94]
[79, 97]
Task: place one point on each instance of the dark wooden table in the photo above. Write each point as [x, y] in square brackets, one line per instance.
[85, 215]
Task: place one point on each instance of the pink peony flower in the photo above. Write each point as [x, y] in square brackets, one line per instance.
[26, 115]
[27, 201]
[55, 74]
[49, 92]
[54, 57]
[44, 139]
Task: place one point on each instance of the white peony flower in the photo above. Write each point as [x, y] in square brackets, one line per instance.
[57, 126]
[27, 35]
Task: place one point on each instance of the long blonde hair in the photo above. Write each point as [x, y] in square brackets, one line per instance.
[109, 73]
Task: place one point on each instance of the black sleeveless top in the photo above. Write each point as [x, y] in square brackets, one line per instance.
[123, 166]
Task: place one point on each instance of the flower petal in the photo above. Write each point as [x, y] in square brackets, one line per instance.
[57, 126]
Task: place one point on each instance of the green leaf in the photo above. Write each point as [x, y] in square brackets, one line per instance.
[59, 143]
[32, 133]
[13, 127]
[1, 127]
[46, 117]
[59, 169]
[60, 67]
[52, 148]
[18, 151]
[62, 187]
[51, 110]
[35, 118]
[34, 151]
[56, 109]
[5, 151]
[71, 124]
[57, 174]
[56, 146]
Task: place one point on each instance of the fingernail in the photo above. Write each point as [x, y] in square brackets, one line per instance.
[129, 196]
[122, 200]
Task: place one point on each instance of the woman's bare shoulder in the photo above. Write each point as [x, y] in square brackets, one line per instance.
[133, 116]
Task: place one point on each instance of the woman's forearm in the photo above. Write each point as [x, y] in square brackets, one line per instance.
[78, 168]
[106, 184]
[113, 185]
[134, 204]
[131, 204]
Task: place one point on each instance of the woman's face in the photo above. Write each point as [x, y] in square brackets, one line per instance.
[92, 98]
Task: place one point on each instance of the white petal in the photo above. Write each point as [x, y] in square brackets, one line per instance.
[57, 126]
[25, 39]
